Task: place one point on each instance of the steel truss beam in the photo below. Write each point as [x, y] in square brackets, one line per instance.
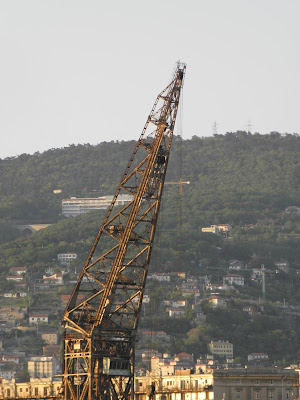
[100, 326]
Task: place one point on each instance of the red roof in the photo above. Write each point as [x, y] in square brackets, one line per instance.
[37, 315]
[18, 269]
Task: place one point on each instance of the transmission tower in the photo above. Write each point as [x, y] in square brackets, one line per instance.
[100, 321]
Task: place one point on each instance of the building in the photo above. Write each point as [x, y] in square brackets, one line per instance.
[7, 374]
[160, 276]
[76, 206]
[42, 367]
[17, 270]
[234, 279]
[14, 278]
[35, 389]
[175, 312]
[256, 384]
[283, 265]
[155, 336]
[211, 229]
[257, 356]
[48, 334]
[35, 319]
[217, 228]
[221, 348]
[180, 385]
[55, 279]
[66, 258]
[236, 265]
[216, 301]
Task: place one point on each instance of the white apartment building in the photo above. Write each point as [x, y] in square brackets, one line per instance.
[66, 258]
[234, 278]
[76, 206]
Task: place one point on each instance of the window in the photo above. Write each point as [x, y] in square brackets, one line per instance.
[238, 394]
[271, 395]
[256, 395]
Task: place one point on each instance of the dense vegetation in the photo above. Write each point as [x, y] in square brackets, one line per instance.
[237, 178]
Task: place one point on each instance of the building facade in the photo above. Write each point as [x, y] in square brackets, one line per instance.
[221, 348]
[42, 367]
[256, 384]
[76, 206]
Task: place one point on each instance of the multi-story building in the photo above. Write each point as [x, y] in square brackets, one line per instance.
[42, 367]
[234, 278]
[256, 384]
[35, 389]
[221, 348]
[181, 385]
[76, 206]
[226, 384]
[66, 258]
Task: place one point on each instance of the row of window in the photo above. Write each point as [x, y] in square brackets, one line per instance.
[270, 394]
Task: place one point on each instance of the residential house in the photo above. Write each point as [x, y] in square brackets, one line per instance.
[234, 279]
[175, 312]
[17, 270]
[36, 319]
[236, 265]
[283, 265]
[55, 279]
[216, 301]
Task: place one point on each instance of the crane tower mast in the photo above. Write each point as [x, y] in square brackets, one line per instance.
[101, 318]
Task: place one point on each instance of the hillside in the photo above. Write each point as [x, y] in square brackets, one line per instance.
[240, 179]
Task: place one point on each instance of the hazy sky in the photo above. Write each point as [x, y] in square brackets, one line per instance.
[89, 71]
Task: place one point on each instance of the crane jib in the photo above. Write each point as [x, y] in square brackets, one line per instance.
[101, 319]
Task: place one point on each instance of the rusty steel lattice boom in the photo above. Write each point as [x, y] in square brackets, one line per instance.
[101, 318]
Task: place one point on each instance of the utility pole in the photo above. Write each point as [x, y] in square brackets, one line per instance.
[263, 281]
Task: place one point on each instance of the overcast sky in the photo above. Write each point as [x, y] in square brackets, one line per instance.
[89, 71]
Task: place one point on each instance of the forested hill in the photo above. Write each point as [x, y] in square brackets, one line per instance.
[237, 177]
[244, 180]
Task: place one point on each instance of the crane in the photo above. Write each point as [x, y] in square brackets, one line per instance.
[101, 319]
